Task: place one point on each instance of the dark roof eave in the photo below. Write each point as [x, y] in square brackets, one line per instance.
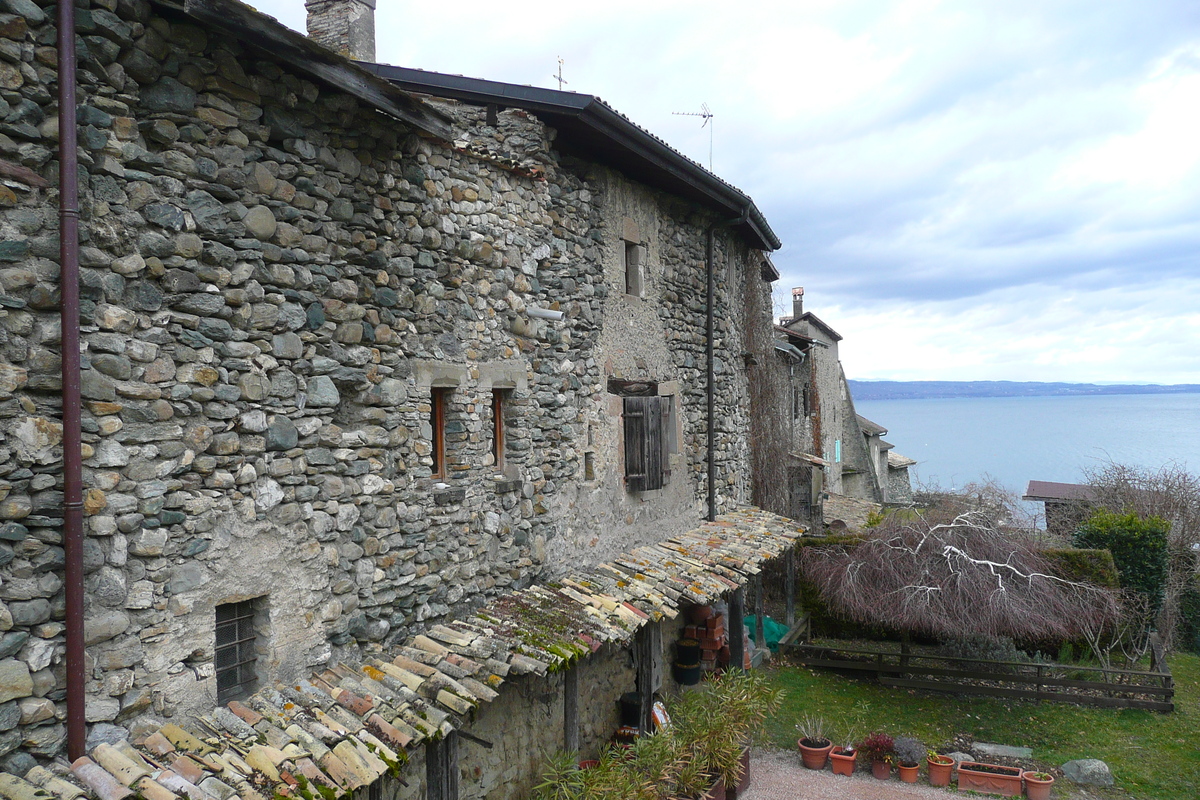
[600, 118]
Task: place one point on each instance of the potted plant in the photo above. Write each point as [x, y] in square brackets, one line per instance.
[716, 723]
[878, 748]
[814, 744]
[1037, 785]
[909, 752]
[989, 778]
[940, 767]
[843, 757]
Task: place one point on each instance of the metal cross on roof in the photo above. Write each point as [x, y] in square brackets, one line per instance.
[561, 80]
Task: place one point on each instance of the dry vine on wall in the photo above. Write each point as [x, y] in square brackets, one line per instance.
[770, 404]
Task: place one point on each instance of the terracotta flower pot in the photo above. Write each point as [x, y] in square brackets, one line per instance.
[1036, 789]
[989, 779]
[908, 774]
[843, 761]
[882, 770]
[814, 757]
[744, 781]
[939, 772]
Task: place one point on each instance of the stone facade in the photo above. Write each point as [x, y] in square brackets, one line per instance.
[849, 449]
[277, 281]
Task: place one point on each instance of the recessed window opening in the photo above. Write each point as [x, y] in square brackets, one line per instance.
[646, 442]
[437, 423]
[633, 269]
[234, 655]
[589, 466]
[499, 403]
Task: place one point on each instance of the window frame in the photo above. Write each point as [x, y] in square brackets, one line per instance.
[500, 398]
[437, 422]
[635, 277]
[236, 619]
[646, 420]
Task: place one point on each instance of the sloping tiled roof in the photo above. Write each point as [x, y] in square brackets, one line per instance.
[870, 428]
[897, 461]
[1050, 490]
[346, 726]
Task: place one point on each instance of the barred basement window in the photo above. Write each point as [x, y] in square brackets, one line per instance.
[647, 423]
[234, 654]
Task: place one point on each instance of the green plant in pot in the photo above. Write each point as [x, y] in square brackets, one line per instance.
[715, 724]
[844, 755]
[879, 749]
[909, 754]
[814, 742]
[940, 767]
[1037, 785]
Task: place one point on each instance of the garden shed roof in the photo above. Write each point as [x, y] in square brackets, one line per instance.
[349, 724]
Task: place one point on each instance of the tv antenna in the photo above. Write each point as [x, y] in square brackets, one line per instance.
[561, 80]
[708, 117]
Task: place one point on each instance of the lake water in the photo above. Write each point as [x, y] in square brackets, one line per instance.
[1018, 439]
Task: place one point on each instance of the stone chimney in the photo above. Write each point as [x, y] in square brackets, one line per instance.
[797, 302]
[344, 26]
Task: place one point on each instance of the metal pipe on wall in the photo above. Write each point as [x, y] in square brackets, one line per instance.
[68, 217]
[710, 391]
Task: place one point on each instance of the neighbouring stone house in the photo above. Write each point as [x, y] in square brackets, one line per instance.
[1064, 505]
[354, 362]
[834, 450]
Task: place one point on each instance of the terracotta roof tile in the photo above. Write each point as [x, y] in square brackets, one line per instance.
[348, 724]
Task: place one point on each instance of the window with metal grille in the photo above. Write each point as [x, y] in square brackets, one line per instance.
[647, 421]
[234, 654]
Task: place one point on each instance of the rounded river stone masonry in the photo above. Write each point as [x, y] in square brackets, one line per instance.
[270, 274]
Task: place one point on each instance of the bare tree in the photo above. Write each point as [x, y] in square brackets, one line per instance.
[1001, 507]
[1172, 493]
[953, 578]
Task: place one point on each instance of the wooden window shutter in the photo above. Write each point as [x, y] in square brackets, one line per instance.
[645, 456]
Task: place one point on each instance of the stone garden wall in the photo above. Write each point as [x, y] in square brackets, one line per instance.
[274, 279]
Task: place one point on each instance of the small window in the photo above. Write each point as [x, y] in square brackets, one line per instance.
[437, 424]
[499, 402]
[234, 654]
[837, 450]
[589, 466]
[633, 269]
[646, 420]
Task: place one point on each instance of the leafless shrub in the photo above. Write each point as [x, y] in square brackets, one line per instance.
[1001, 507]
[1172, 493]
[1126, 635]
[953, 578]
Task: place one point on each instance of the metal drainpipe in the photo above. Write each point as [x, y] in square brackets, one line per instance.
[708, 352]
[68, 217]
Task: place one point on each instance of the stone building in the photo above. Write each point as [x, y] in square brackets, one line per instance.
[835, 451]
[354, 361]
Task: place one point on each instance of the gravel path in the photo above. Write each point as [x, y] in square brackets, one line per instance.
[779, 775]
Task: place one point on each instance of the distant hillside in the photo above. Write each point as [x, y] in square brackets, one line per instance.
[899, 390]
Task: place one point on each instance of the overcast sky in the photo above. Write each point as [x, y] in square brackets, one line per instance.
[966, 190]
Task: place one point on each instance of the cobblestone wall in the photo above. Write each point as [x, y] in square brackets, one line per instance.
[275, 279]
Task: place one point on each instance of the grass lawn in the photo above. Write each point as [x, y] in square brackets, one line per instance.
[1151, 755]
